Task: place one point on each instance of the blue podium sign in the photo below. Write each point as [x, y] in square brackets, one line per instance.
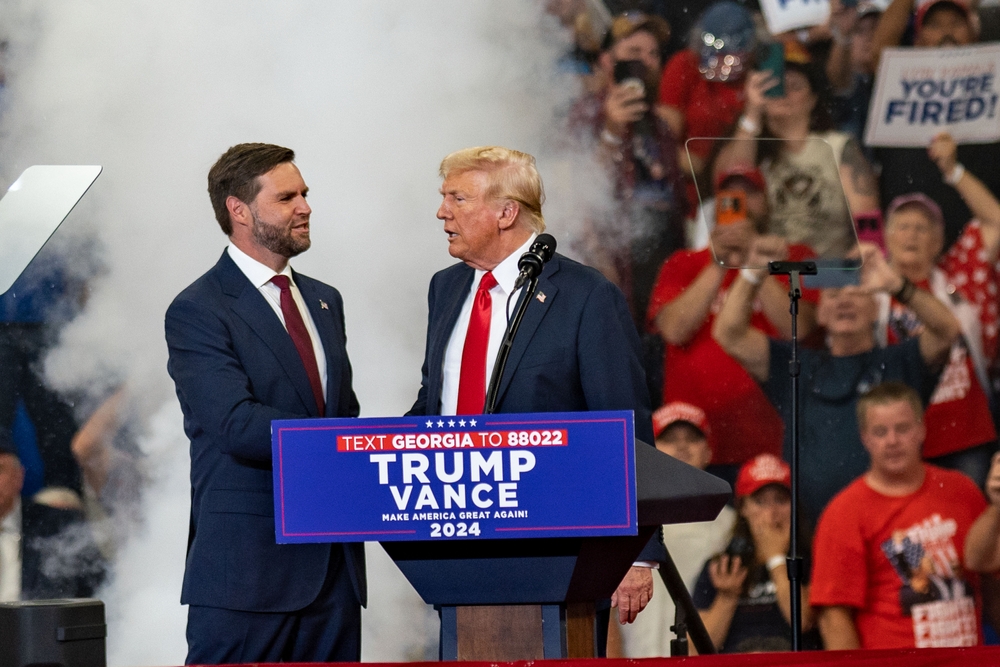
[567, 474]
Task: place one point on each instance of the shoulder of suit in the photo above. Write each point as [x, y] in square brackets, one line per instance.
[315, 284]
[459, 272]
[206, 286]
[562, 269]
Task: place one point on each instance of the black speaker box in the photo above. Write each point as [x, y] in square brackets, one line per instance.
[37, 633]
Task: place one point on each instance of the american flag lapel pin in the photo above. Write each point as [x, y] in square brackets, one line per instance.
[322, 304]
[541, 297]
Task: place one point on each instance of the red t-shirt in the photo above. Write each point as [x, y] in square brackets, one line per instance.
[897, 561]
[710, 107]
[958, 416]
[743, 422]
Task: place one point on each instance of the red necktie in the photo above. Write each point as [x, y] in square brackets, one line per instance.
[472, 382]
[300, 336]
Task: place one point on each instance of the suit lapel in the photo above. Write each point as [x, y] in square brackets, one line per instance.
[442, 323]
[251, 306]
[323, 319]
[533, 316]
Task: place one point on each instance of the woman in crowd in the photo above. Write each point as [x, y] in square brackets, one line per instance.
[790, 138]
[743, 595]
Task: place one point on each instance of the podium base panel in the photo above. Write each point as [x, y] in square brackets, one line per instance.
[518, 632]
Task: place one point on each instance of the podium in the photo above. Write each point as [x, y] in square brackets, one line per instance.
[560, 506]
[527, 599]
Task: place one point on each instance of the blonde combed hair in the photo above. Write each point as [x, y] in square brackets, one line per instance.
[512, 175]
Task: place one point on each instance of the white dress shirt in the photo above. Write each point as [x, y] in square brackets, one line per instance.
[10, 555]
[260, 275]
[506, 274]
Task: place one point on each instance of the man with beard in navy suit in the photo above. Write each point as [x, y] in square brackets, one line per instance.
[252, 341]
[576, 349]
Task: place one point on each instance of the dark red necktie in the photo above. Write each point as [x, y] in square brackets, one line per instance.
[300, 336]
[472, 382]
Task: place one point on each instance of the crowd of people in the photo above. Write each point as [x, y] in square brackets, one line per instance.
[756, 142]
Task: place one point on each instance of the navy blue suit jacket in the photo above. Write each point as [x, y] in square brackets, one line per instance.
[236, 369]
[576, 350]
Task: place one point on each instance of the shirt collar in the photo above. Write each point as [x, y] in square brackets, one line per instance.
[506, 272]
[257, 273]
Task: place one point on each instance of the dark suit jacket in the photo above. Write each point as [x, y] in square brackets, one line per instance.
[576, 350]
[236, 369]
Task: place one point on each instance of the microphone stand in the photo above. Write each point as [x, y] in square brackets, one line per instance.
[508, 341]
[794, 271]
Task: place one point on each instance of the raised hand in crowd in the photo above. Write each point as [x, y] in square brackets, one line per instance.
[764, 249]
[943, 151]
[624, 105]
[757, 84]
[731, 243]
[843, 20]
[727, 574]
[940, 326]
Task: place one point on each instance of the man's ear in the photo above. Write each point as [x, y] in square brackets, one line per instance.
[239, 212]
[508, 214]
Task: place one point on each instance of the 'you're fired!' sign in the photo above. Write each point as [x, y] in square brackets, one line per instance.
[922, 92]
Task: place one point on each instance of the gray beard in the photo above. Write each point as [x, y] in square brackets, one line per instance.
[279, 241]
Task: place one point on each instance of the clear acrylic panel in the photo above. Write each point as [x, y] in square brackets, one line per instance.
[33, 208]
[790, 189]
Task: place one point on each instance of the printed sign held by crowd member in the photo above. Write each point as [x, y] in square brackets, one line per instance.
[784, 15]
[922, 92]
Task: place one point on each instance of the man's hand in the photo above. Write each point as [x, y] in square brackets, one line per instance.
[757, 84]
[727, 575]
[624, 105]
[771, 539]
[842, 19]
[731, 242]
[767, 248]
[876, 274]
[943, 151]
[764, 250]
[633, 594]
[11, 480]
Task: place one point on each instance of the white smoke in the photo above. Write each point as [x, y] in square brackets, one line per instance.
[371, 95]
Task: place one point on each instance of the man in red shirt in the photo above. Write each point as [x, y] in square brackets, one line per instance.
[887, 557]
[690, 290]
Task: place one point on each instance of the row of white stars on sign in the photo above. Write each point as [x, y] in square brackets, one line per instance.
[451, 423]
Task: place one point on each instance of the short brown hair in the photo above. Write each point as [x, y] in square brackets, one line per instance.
[235, 174]
[512, 175]
[885, 394]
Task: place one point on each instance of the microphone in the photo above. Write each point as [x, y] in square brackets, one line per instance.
[532, 262]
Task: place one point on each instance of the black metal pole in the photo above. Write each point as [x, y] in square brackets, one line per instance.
[794, 271]
[508, 340]
[687, 620]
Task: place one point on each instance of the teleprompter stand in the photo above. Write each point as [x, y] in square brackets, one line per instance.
[525, 599]
[794, 271]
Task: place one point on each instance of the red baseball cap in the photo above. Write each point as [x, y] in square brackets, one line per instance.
[749, 173]
[926, 7]
[760, 471]
[679, 411]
